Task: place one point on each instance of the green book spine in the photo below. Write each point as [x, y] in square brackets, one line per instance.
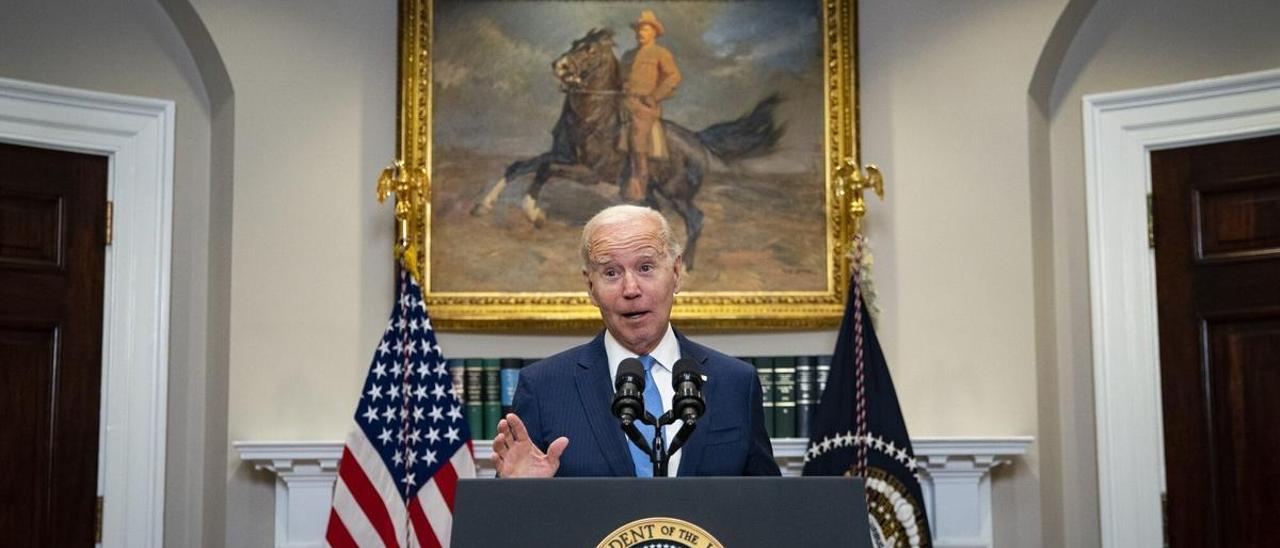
[764, 366]
[492, 396]
[784, 405]
[806, 393]
[474, 390]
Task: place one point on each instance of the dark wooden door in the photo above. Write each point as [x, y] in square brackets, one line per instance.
[1217, 227]
[52, 235]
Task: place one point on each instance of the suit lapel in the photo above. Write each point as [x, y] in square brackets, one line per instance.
[596, 393]
[691, 453]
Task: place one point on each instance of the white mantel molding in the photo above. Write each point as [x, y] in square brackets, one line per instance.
[955, 477]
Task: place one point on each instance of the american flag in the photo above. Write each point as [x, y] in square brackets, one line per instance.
[410, 443]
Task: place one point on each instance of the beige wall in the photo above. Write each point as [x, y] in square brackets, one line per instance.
[1121, 45]
[280, 287]
[310, 138]
[944, 89]
[133, 48]
[314, 122]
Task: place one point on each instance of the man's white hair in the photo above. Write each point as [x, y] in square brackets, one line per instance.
[620, 214]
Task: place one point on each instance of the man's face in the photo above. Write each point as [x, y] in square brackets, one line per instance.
[645, 34]
[633, 282]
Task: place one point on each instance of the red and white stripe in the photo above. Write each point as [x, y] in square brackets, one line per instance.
[368, 509]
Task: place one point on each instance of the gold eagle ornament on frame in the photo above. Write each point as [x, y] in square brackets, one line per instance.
[516, 122]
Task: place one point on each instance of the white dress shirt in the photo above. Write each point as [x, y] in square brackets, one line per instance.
[664, 356]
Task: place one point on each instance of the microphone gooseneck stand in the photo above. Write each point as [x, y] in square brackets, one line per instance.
[659, 454]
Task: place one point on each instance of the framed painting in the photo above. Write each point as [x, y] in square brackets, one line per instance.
[523, 116]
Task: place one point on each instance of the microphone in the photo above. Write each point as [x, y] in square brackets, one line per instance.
[686, 378]
[628, 398]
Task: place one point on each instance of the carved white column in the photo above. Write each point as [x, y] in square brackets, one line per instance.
[955, 477]
[956, 480]
[305, 473]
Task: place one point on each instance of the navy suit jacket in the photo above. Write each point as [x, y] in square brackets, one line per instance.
[570, 394]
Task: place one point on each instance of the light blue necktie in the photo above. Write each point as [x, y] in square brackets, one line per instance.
[652, 404]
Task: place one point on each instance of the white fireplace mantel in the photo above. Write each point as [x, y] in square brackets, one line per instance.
[955, 477]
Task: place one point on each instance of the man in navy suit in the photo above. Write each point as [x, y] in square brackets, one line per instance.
[632, 266]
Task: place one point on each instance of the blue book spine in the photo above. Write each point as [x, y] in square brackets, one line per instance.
[508, 376]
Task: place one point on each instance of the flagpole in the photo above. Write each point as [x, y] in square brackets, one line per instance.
[858, 429]
[408, 181]
[852, 182]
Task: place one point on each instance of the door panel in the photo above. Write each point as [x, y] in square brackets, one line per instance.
[29, 354]
[52, 215]
[1217, 223]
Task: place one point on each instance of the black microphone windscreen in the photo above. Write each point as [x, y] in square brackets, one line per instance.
[689, 367]
[631, 367]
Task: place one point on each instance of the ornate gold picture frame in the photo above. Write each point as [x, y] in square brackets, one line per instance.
[481, 102]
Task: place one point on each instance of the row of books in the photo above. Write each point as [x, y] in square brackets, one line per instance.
[486, 387]
[792, 386]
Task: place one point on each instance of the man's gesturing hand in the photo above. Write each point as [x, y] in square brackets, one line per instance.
[515, 456]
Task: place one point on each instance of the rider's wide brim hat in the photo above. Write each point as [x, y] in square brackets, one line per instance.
[648, 18]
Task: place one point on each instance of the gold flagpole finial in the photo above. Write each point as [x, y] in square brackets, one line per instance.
[412, 189]
[852, 182]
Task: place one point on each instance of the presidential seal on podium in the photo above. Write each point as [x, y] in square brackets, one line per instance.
[659, 532]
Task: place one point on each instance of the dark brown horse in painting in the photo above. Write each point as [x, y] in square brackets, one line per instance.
[586, 137]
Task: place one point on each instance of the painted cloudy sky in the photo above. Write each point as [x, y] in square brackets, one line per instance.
[495, 92]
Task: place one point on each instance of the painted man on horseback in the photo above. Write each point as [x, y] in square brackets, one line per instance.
[652, 77]
[586, 139]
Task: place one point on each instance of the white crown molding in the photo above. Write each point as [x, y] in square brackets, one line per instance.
[955, 478]
[1120, 130]
[137, 136]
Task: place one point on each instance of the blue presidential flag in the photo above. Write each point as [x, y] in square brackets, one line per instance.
[858, 430]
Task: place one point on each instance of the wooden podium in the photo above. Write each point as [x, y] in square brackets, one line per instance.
[666, 512]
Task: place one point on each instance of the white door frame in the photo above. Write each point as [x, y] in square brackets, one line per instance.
[1120, 130]
[137, 136]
